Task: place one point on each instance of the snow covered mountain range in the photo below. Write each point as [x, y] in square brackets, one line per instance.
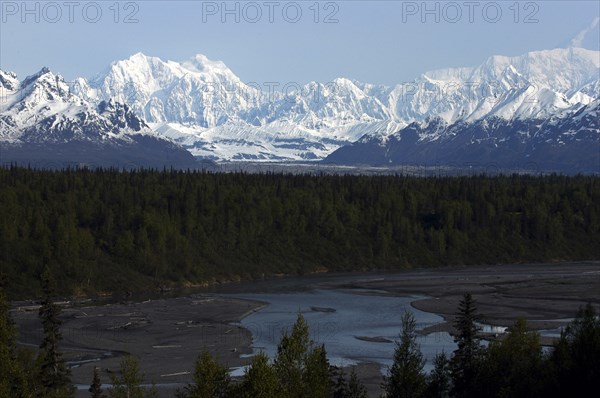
[43, 124]
[565, 142]
[540, 102]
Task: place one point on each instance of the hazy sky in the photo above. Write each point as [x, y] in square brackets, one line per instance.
[382, 42]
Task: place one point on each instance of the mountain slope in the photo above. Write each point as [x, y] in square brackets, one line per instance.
[507, 110]
[203, 106]
[534, 85]
[43, 123]
[569, 142]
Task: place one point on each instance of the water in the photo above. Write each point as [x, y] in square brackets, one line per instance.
[357, 314]
[105, 386]
[551, 332]
[492, 328]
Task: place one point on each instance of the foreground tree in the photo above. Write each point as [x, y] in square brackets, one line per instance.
[317, 377]
[13, 378]
[260, 379]
[466, 358]
[210, 380]
[406, 378]
[351, 388]
[439, 380]
[340, 389]
[129, 384]
[96, 386]
[355, 388]
[291, 358]
[574, 368]
[302, 367]
[55, 378]
[513, 365]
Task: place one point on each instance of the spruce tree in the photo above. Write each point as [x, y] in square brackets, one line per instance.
[574, 365]
[260, 379]
[13, 382]
[355, 388]
[96, 386]
[406, 378]
[340, 389]
[466, 357]
[316, 376]
[439, 380]
[211, 380]
[291, 358]
[55, 378]
[351, 388]
[513, 365]
[7, 346]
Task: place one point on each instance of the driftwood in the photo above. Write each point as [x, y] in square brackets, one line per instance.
[323, 309]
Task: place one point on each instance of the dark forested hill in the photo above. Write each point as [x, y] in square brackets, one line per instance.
[110, 230]
[569, 144]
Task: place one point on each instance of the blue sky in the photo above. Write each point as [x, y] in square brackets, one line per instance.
[384, 42]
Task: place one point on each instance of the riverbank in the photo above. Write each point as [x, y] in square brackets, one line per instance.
[546, 295]
[166, 334]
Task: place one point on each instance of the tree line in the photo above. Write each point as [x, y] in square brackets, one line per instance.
[512, 366]
[107, 230]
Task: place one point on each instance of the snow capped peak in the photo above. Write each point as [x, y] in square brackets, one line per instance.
[45, 111]
[496, 64]
[8, 74]
[342, 81]
[43, 122]
[201, 63]
[198, 91]
[562, 69]
[559, 68]
[534, 84]
[201, 103]
[138, 59]
[138, 68]
[43, 74]
[138, 56]
[38, 90]
[8, 81]
[44, 81]
[572, 54]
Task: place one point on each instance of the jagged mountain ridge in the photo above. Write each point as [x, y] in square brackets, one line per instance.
[205, 107]
[566, 142]
[43, 123]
